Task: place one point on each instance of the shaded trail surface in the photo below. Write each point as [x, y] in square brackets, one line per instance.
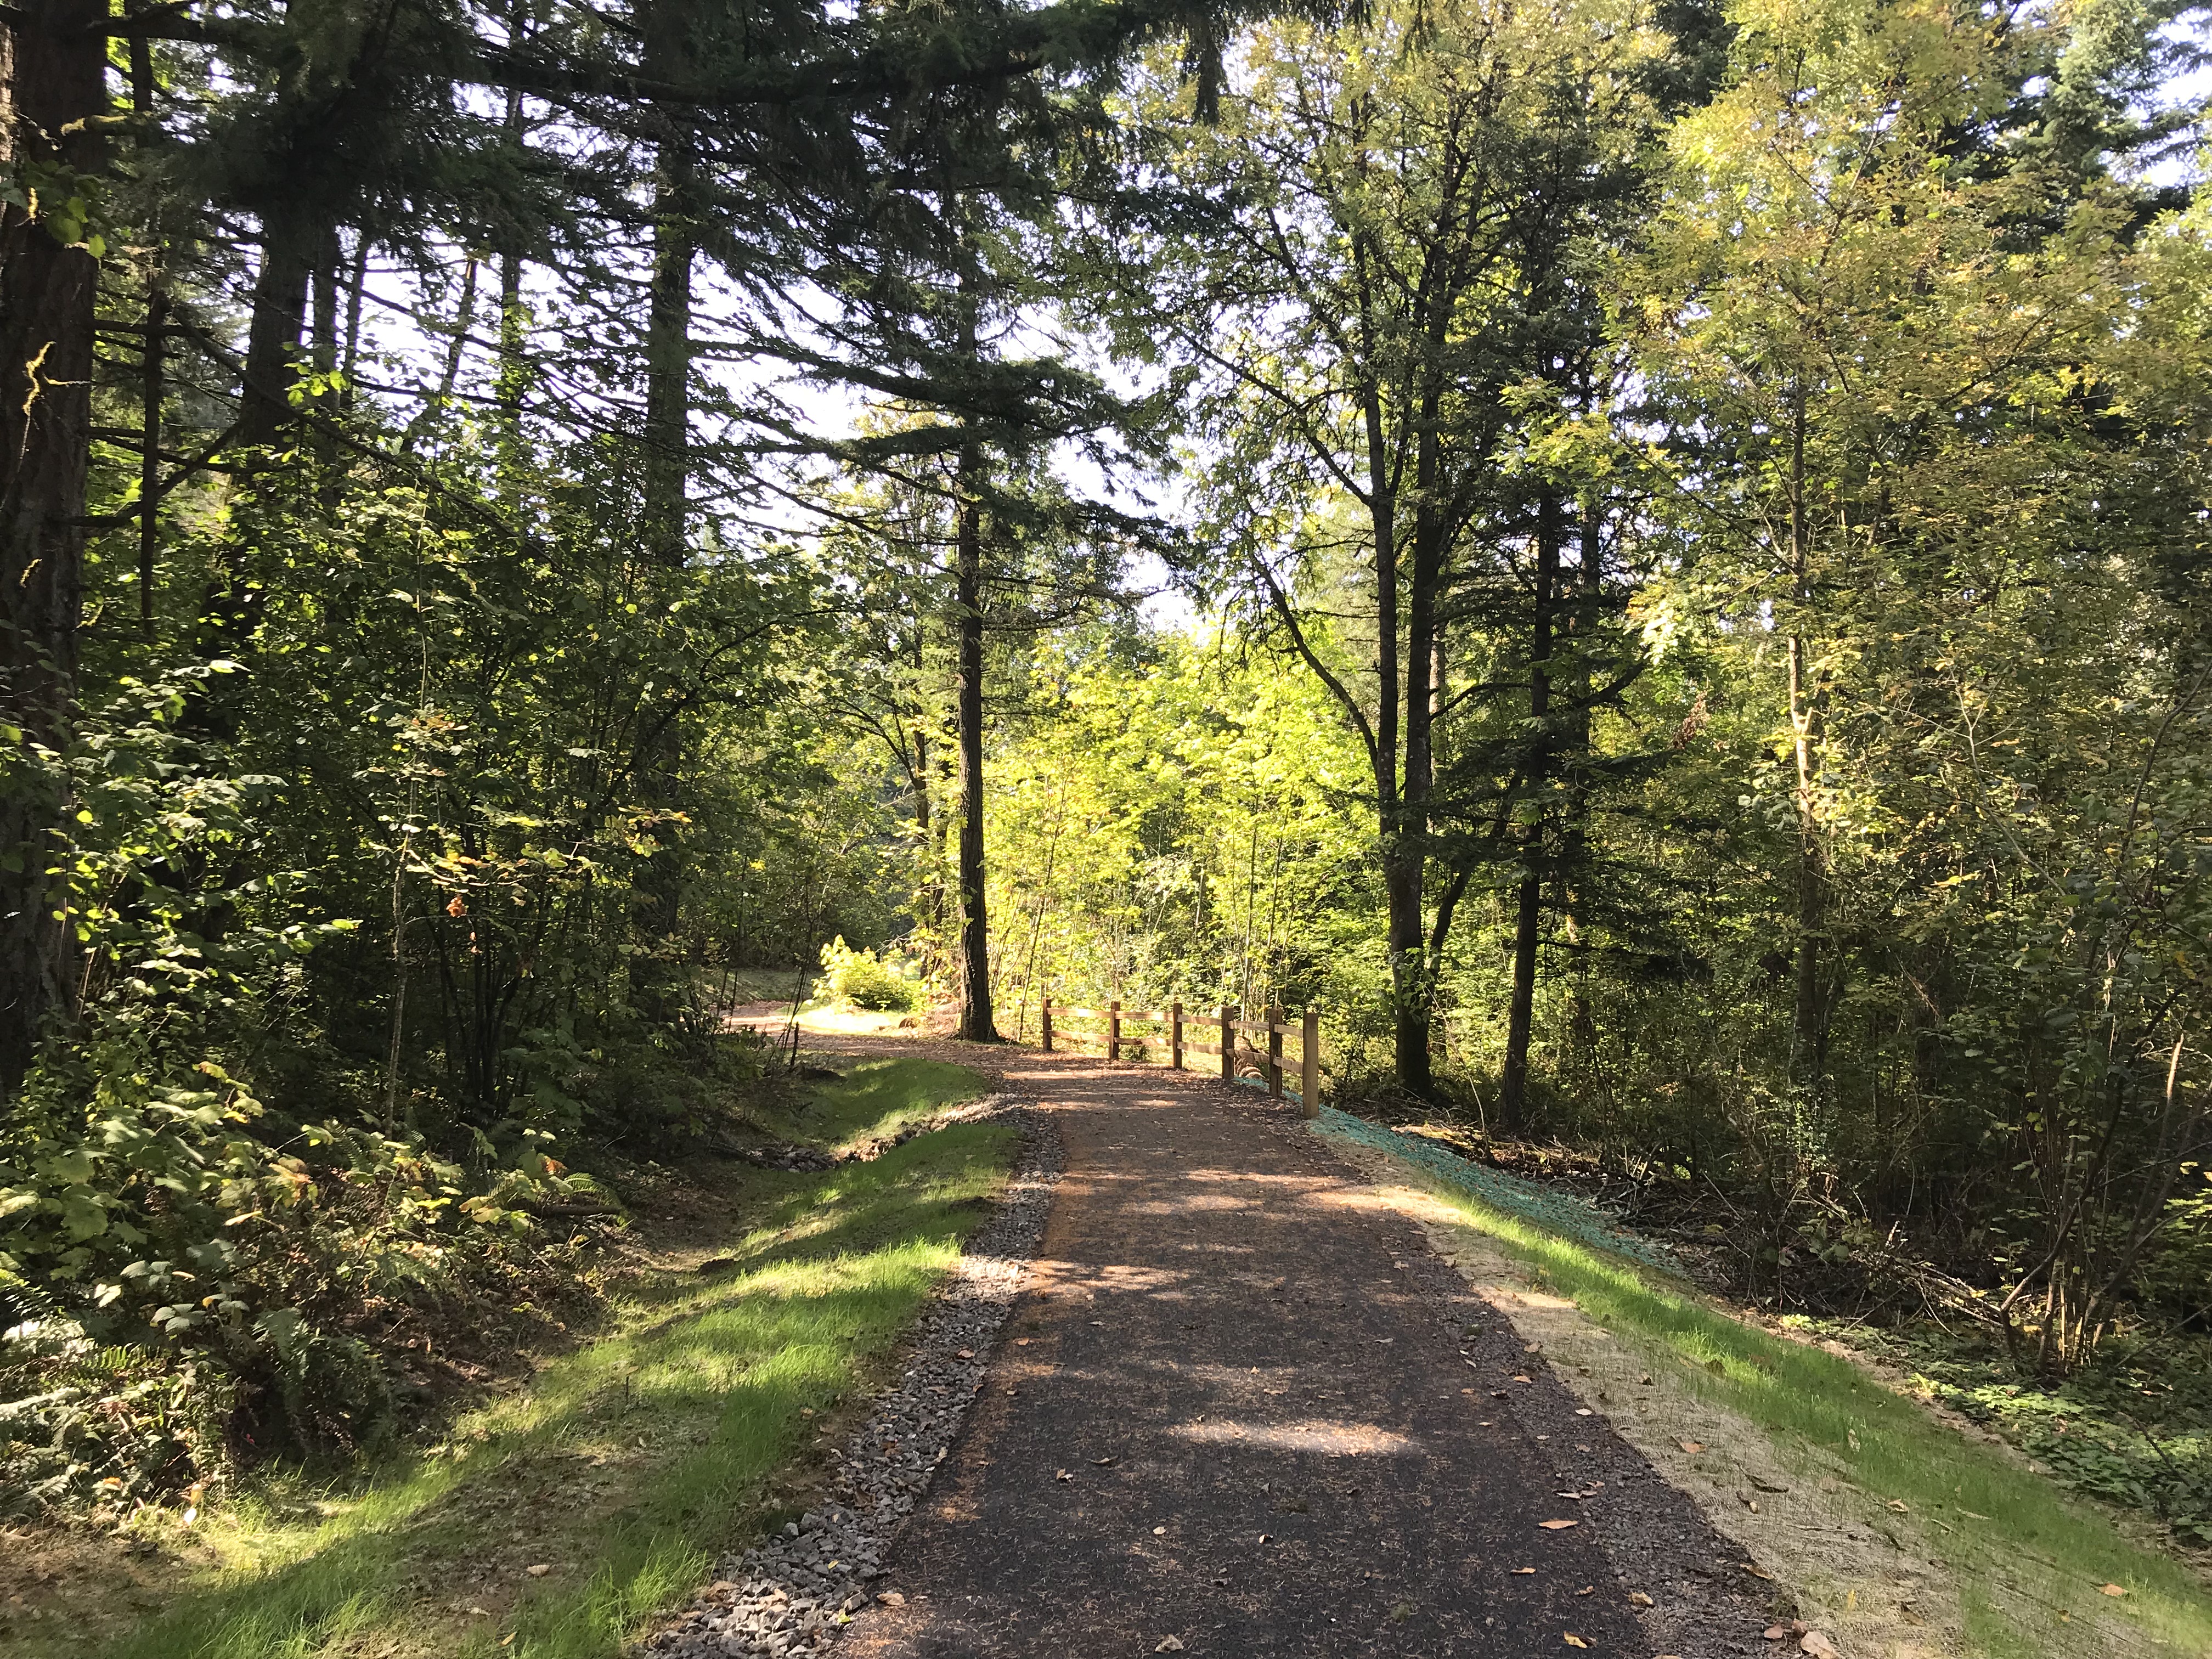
[1240, 1408]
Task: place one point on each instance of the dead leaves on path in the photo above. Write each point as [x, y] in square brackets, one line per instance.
[1557, 1526]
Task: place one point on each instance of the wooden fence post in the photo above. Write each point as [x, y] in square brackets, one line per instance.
[1274, 1018]
[1229, 1012]
[1309, 1063]
[1175, 1035]
[1045, 1017]
[1114, 1030]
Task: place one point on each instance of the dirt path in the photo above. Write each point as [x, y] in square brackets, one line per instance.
[1241, 1408]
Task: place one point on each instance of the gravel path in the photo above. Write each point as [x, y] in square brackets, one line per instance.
[1238, 1407]
[792, 1594]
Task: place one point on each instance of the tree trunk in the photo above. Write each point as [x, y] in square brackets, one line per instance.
[668, 365]
[658, 896]
[151, 392]
[977, 1023]
[1809, 1023]
[290, 245]
[1402, 844]
[1528, 913]
[53, 56]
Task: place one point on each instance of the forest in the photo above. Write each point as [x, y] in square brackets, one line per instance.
[1651, 560]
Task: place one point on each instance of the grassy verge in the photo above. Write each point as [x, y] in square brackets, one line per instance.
[2134, 1427]
[552, 1522]
[875, 1102]
[2009, 1537]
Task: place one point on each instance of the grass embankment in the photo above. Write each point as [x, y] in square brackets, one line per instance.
[2026, 1559]
[626, 1467]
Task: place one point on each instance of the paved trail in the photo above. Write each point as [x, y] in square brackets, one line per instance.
[1238, 1407]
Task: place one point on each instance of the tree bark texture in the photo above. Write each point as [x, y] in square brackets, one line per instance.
[1808, 1020]
[977, 1023]
[1529, 903]
[53, 55]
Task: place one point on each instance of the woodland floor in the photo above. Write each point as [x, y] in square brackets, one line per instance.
[1242, 1407]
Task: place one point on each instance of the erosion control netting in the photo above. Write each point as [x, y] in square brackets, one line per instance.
[1562, 1213]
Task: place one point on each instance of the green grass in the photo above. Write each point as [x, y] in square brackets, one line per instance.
[2006, 1534]
[630, 1464]
[879, 1098]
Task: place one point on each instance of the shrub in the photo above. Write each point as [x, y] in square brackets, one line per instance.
[856, 978]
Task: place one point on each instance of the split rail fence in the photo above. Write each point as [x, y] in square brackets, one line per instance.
[1225, 1023]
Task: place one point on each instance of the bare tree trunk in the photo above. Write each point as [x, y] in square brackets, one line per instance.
[1809, 1026]
[977, 1023]
[1528, 913]
[657, 903]
[53, 55]
[151, 392]
[668, 365]
[1403, 844]
[289, 244]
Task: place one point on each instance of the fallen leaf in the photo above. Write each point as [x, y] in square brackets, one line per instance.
[539, 1571]
[1758, 1571]
[1159, 1532]
[1774, 1633]
[1168, 1645]
[1555, 1525]
[1814, 1643]
[2113, 1590]
[1585, 1411]
[1639, 1598]
[1517, 1571]
[1021, 1342]
[1692, 1447]
[1587, 1589]
[1061, 1475]
[1519, 1378]
[892, 1598]
[1898, 1504]
[1574, 1641]
[1102, 1461]
[967, 1354]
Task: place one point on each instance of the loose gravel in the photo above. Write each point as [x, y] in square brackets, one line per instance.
[793, 1594]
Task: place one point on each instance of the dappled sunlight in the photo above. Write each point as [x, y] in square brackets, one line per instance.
[1063, 1275]
[1333, 1439]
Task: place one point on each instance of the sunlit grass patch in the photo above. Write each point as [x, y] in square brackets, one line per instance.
[626, 1467]
[879, 1098]
[2030, 1563]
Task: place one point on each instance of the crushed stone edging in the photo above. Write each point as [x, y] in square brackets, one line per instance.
[794, 1593]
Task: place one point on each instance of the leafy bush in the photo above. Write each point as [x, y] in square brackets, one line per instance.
[856, 978]
[190, 1278]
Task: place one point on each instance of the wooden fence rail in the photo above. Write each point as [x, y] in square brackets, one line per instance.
[1227, 1021]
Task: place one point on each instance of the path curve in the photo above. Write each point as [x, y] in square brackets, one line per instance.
[1240, 1408]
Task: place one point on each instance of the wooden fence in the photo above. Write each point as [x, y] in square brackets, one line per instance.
[1225, 1024]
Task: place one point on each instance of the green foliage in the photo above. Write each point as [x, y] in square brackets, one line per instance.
[859, 980]
[2133, 1427]
[697, 1392]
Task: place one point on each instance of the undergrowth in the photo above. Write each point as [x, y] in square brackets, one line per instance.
[2134, 1427]
[626, 1467]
